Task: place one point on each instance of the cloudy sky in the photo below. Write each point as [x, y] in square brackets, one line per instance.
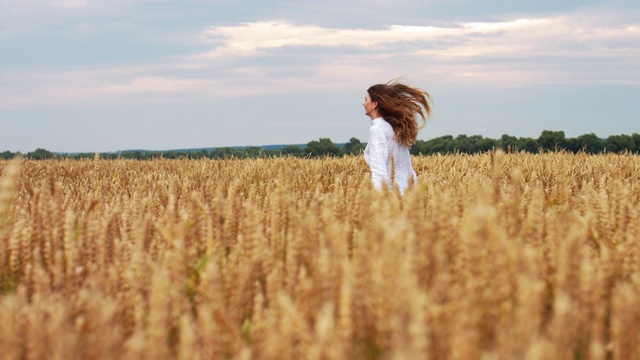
[107, 75]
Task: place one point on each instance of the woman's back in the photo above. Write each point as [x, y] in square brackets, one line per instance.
[382, 151]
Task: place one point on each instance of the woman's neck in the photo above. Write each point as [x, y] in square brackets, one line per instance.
[374, 115]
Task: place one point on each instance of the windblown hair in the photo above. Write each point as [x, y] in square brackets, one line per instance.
[399, 104]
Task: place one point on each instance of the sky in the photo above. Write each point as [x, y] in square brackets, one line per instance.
[109, 75]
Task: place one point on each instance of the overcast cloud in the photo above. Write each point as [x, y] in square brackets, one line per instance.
[82, 75]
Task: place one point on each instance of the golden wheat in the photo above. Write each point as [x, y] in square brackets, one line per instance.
[506, 256]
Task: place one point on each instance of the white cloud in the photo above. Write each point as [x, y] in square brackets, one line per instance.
[467, 39]
[153, 84]
[570, 48]
[70, 3]
[247, 38]
[281, 57]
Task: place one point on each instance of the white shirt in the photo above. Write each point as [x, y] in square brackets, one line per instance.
[380, 149]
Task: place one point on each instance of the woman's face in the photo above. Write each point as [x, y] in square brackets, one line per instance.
[369, 106]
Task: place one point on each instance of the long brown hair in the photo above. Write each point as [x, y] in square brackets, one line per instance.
[398, 104]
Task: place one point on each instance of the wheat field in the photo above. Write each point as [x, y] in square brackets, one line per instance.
[493, 256]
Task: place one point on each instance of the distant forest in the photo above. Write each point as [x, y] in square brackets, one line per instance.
[547, 141]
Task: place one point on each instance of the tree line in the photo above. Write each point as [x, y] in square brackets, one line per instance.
[547, 141]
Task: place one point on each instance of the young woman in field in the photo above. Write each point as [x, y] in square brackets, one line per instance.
[393, 108]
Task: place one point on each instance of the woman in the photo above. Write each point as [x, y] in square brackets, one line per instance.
[392, 108]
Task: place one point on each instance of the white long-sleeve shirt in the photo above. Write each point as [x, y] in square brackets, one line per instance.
[380, 149]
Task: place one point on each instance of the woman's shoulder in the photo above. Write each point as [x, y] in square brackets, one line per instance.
[381, 123]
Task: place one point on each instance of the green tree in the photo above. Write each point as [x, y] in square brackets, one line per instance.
[252, 152]
[464, 144]
[171, 154]
[619, 143]
[552, 140]
[571, 144]
[40, 154]
[7, 155]
[485, 144]
[353, 147]
[529, 145]
[222, 153]
[202, 154]
[419, 147]
[509, 143]
[443, 145]
[474, 144]
[131, 154]
[292, 150]
[589, 143]
[322, 147]
[636, 140]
